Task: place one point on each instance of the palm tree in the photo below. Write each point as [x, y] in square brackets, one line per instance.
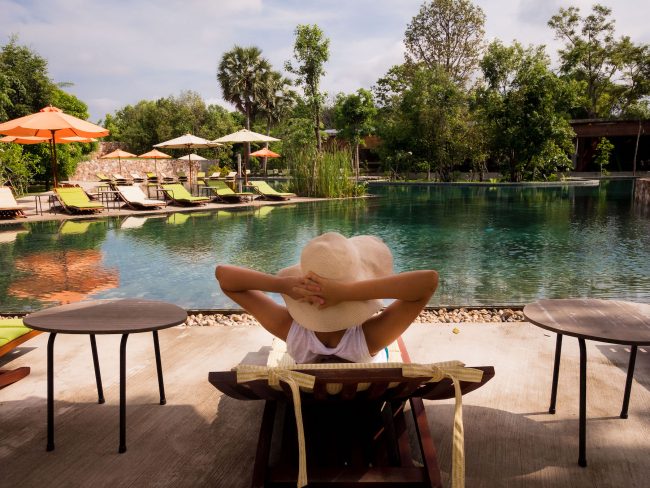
[240, 75]
[277, 101]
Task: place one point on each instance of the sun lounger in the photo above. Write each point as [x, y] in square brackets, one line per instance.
[121, 180]
[181, 176]
[152, 177]
[214, 175]
[103, 178]
[137, 178]
[135, 198]
[179, 195]
[226, 194]
[9, 207]
[264, 189]
[230, 176]
[167, 179]
[75, 200]
[344, 423]
[12, 334]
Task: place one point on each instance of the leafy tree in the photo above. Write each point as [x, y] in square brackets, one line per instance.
[277, 101]
[311, 52]
[354, 118]
[240, 74]
[524, 108]
[149, 122]
[26, 80]
[603, 152]
[614, 73]
[447, 34]
[25, 88]
[424, 121]
[16, 167]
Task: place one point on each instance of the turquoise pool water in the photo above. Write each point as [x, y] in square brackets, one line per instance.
[491, 245]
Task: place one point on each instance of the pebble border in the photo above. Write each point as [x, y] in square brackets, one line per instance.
[441, 315]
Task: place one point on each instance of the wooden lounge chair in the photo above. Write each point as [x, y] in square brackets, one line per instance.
[264, 189]
[351, 418]
[12, 334]
[226, 194]
[152, 177]
[137, 178]
[214, 175]
[118, 179]
[230, 176]
[135, 198]
[75, 200]
[9, 207]
[167, 179]
[103, 178]
[179, 195]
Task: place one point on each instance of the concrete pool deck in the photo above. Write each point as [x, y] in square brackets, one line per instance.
[201, 438]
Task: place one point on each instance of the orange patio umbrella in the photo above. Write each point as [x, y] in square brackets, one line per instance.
[39, 140]
[265, 153]
[118, 154]
[155, 154]
[51, 122]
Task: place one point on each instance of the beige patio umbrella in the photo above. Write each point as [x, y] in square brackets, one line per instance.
[118, 154]
[248, 136]
[155, 154]
[191, 157]
[188, 141]
[51, 122]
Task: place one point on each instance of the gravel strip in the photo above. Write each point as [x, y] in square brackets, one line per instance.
[442, 315]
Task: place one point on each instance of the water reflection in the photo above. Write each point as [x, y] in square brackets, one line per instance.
[492, 245]
[51, 263]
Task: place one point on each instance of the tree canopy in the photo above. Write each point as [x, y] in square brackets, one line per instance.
[447, 34]
[311, 52]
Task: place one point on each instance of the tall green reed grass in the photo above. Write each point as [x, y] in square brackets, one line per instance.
[326, 175]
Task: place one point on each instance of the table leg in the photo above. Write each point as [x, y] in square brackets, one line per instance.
[98, 375]
[161, 386]
[628, 382]
[582, 457]
[556, 373]
[122, 447]
[50, 391]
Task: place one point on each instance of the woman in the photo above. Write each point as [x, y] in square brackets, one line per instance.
[332, 298]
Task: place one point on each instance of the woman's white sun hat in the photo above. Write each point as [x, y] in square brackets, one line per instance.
[335, 257]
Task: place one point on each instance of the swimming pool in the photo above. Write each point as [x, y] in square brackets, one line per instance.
[491, 245]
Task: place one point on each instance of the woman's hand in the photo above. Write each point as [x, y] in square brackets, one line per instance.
[320, 291]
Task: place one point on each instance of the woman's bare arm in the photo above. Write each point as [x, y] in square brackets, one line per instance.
[246, 287]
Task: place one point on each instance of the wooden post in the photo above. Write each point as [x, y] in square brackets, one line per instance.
[636, 149]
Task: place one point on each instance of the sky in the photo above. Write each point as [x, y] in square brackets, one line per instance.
[119, 52]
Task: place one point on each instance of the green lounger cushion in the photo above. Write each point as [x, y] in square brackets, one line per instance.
[76, 197]
[266, 189]
[178, 192]
[11, 329]
[223, 190]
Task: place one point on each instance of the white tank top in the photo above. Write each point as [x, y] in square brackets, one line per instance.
[304, 347]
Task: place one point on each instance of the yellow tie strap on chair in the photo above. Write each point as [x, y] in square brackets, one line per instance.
[434, 373]
[346, 423]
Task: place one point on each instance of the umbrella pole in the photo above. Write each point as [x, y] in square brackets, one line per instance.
[56, 182]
